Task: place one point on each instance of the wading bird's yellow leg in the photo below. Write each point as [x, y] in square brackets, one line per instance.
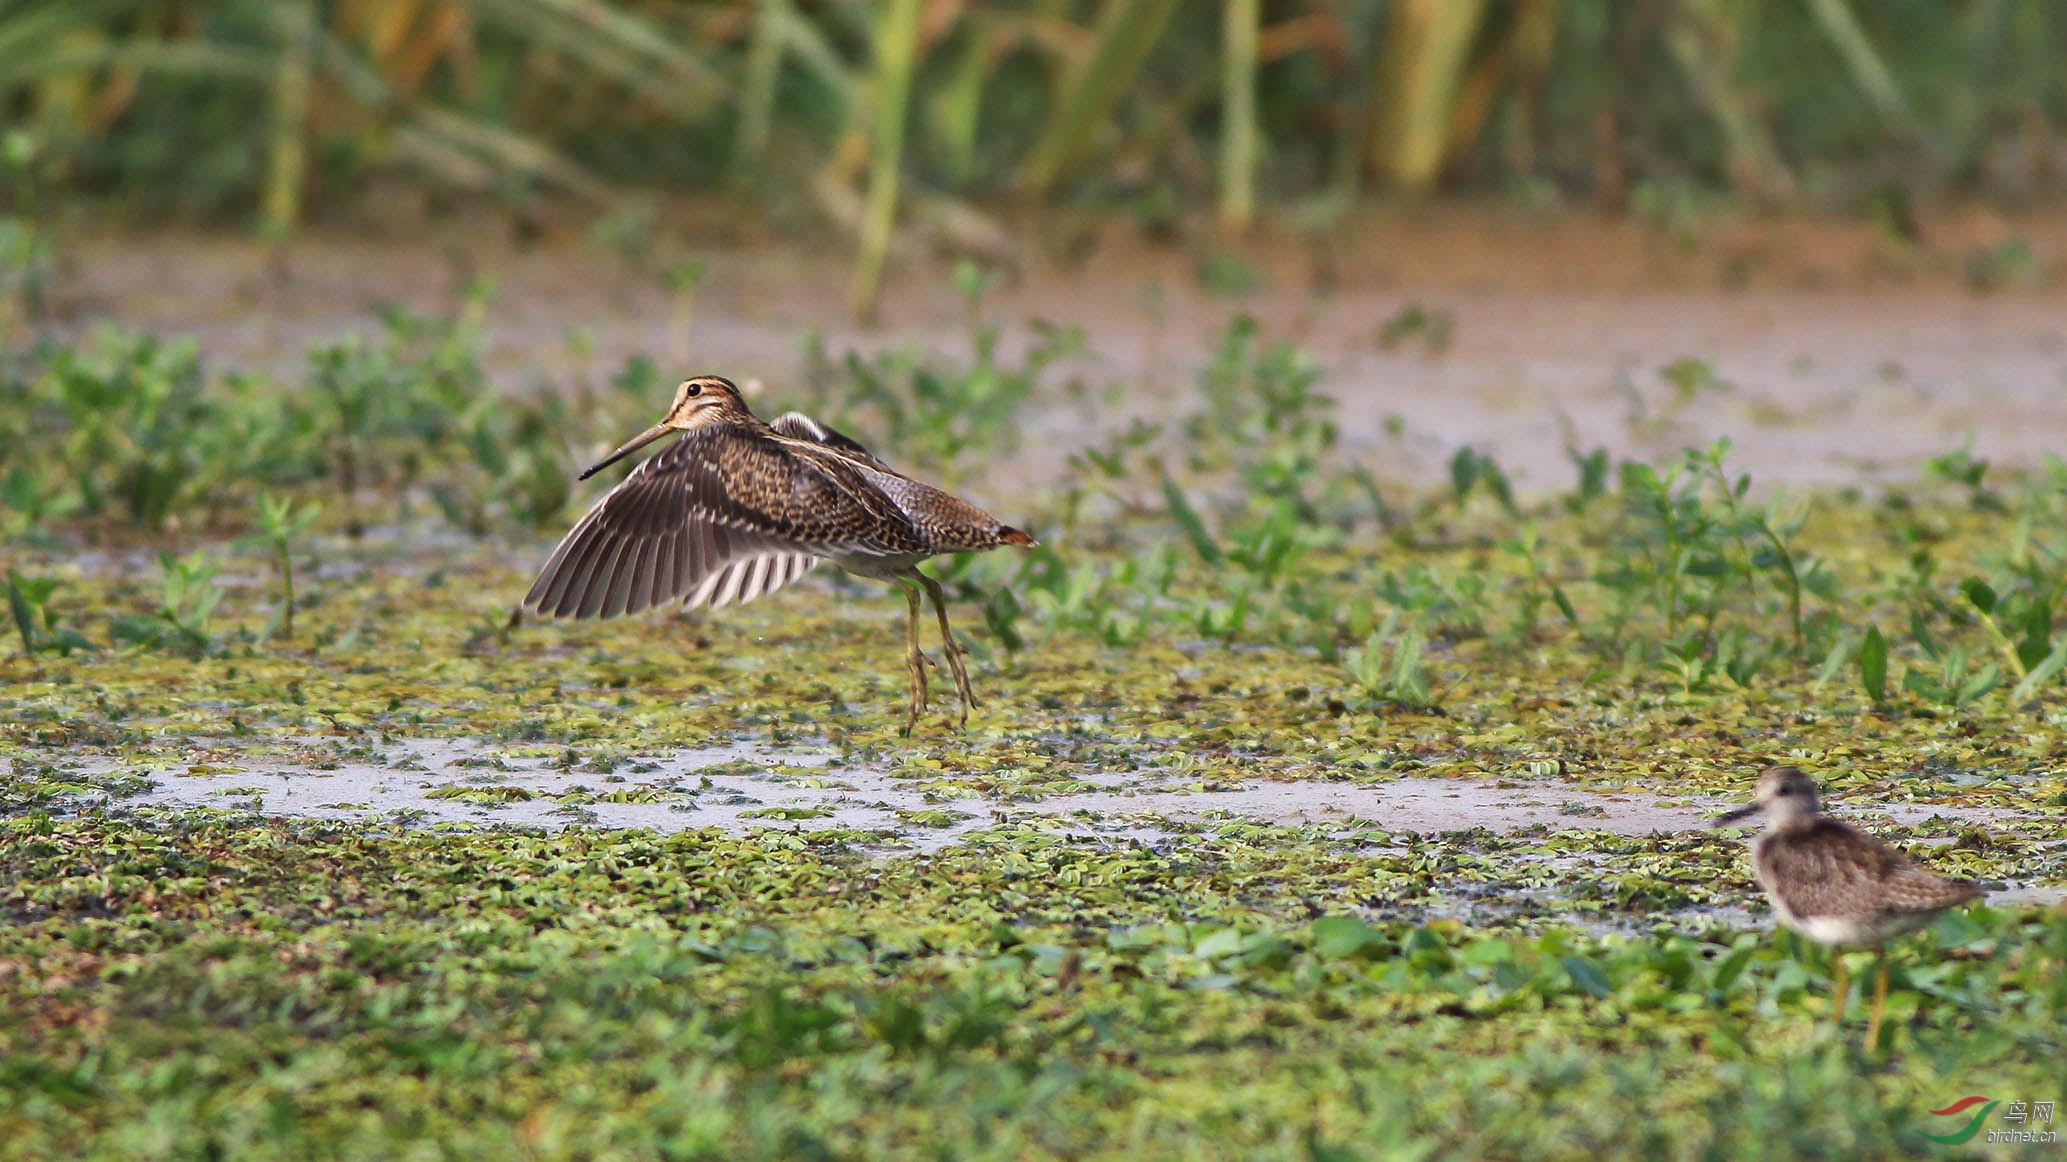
[1880, 1001]
[914, 658]
[953, 651]
[1838, 987]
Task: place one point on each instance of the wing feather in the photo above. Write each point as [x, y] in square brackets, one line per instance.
[664, 567]
[1841, 872]
[728, 586]
[798, 426]
[726, 513]
[595, 587]
[638, 589]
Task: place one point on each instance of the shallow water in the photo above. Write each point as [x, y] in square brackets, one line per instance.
[741, 787]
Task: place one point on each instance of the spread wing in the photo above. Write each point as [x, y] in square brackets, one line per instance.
[723, 514]
[1851, 874]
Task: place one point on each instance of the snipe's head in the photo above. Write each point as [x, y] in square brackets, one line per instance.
[1784, 794]
[706, 399]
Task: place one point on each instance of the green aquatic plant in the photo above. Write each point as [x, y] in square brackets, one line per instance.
[1472, 470]
[280, 523]
[1263, 416]
[1955, 682]
[188, 600]
[587, 983]
[1873, 665]
[28, 602]
[1538, 584]
[1433, 327]
[122, 422]
[937, 413]
[1389, 665]
[1594, 468]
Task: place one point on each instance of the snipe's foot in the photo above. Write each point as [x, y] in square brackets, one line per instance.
[915, 664]
[950, 648]
[914, 660]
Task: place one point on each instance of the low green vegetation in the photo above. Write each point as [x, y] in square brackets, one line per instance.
[1225, 601]
[215, 988]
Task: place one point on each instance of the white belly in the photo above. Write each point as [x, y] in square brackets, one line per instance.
[881, 568]
[1855, 930]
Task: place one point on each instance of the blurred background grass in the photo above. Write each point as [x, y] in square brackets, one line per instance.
[945, 116]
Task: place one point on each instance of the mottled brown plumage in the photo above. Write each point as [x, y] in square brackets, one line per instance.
[1836, 884]
[736, 508]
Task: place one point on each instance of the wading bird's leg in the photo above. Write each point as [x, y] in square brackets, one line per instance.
[953, 651]
[1880, 1001]
[1838, 985]
[914, 658]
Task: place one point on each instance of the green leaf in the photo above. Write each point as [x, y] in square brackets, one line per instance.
[1873, 664]
[1593, 475]
[1464, 472]
[1922, 634]
[1001, 613]
[1497, 483]
[1979, 594]
[24, 612]
[1409, 684]
[1641, 479]
[2040, 674]
[1188, 521]
[1926, 687]
[1952, 671]
[36, 591]
[1731, 967]
[1336, 937]
[1588, 976]
[1980, 683]
[1224, 942]
[64, 641]
[1841, 651]
[1820, 581]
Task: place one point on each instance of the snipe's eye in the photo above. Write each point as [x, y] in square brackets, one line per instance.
[695, 389]
[1784, 790]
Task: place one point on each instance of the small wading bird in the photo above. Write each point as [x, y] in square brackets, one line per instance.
[1837, 885]
[737, 508]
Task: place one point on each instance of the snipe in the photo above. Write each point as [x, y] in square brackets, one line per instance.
[1837, 885]
[737, 508]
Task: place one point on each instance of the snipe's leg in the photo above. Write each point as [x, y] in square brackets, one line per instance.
[914, 658]
[1880, 1001]
[1838, 988]
[948, 646]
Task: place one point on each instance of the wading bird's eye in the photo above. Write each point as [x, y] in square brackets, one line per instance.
[695, 389]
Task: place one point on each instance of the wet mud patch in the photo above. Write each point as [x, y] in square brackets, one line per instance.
[1487, 854]
[742, 787]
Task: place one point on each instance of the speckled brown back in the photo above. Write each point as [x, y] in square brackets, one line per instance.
[1826, 868]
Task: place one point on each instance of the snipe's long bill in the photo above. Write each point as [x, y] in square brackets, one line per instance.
[1837, 885]
[737, 508]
